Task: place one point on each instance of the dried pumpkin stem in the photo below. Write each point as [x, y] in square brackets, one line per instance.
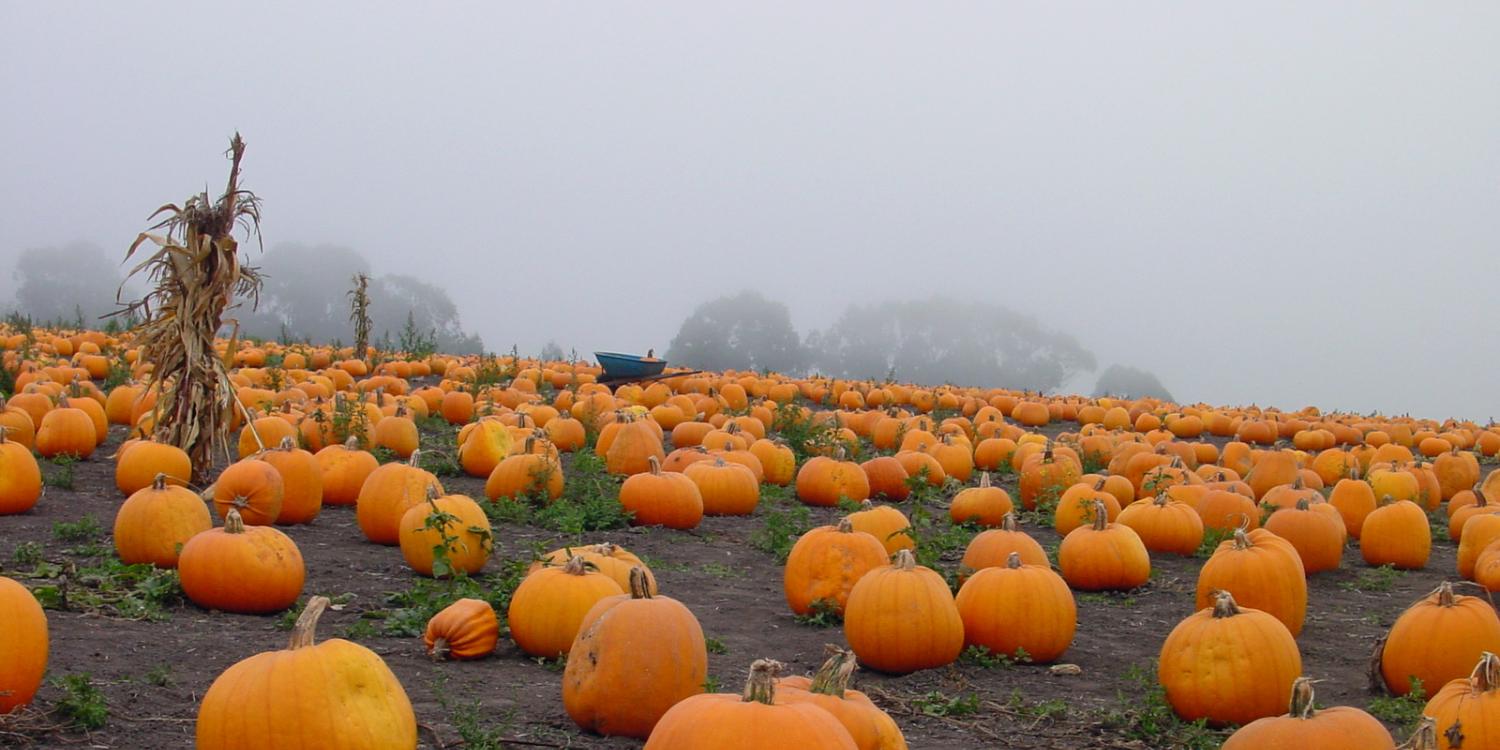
[761, 687]
[1425, 738]
[1302, 699]
[1008, 523]
[1486, 676]
[1013, 561]
[576, 566]
[640, 584]
[307, 622]
[233, 524]
[1444, 594]
[159, 482]
[833, 677]
[845, 526]
[1224, 605]
[1101, 516]
[904, 560]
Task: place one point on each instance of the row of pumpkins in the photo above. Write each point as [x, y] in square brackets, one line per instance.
[1171, 482]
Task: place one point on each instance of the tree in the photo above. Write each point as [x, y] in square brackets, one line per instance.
[552, 352]
[743, 331]
[66, 284]
[1130, 382]
[943, 341]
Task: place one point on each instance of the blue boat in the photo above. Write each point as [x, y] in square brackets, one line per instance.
[629, 366]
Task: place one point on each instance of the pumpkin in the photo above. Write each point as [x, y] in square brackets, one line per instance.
[251, 487]
[826, 562]
[1437, 640]
[387, 494]
[344, 469]
[885, 523]
[1046, 472]
[824, 481]
[752, 721]
[635, 657]
[154, 523]
[1315, 530]
[465, 629]
[985, 505]
[1261, 570]
[1103, 556]
[534, 472]
[452, 523]
[610, 559]
[483, 446]
[1464, 709]
[23, 645]
[1164, 525]
[1272, 469]
[1480, 531]
[1228, 665]
[1076, 506]
[777, 460]
[547, 609]
[828, 689]
[1355, 500]
[726, 489]
[1338, 728]
[66, 431]
[139, 462]
[20, 477]
[633, 447]
[1397, 533]
[302, 480]
[398, 433]
[901, 618]
[657, 498]
[993, 547]
[263, 434]
[1018, 608]
[335, 695]
[239, 568]
[887, 478]
[1222, 510]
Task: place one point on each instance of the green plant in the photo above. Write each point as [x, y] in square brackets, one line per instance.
[82, 704]
[805, 436]
[1404, 711]
[780, 530]
[1382, 578]
[468, 721]
[27, 554]
[1211, 540]
[1042, 711]
[824, 613]
[1142, 713]
[83, 530]
[715, 646]
[711, 684]
[936, 703]
[107, 587]
[981, 656]
[159, 675]
[59, 472]
[1045, 512]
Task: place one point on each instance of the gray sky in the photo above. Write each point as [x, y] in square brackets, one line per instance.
[1283, 203]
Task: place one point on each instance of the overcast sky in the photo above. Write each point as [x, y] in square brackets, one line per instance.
[1280, 203]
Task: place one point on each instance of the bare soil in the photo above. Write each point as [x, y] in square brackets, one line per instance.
[153, 673]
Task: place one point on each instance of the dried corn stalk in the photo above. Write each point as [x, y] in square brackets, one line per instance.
[359, 313]
[195, 276]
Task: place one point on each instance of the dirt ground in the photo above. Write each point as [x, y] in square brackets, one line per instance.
[153, 673]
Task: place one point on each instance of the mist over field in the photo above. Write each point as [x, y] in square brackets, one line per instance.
[1283, 203]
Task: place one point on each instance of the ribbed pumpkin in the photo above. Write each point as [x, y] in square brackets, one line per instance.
[485, 444]
[532, 473]
[154, 523]
[335, 695]
[657, 498]
[1397, 533]
[826, 562]
[608, 558]
[887, 478]
[453, 523]
[1164, 525]
[23, 645]
[824, 480]
[1104, 556]
[777, 460]
[302, 480]
[1076, 506]
[901, 618]
[1437, 640]
[635, 657]
[139, 461]
[828, 689]
[1315, 530]
[388, 493]
[1018, 607]
[466, 629]
[16, 425]
[1480, 531]
[632, 449]
[1338, 728]
[1465, 709]
[398, 433]
[252, 487]
[1046, 472]
[886, 523]
[66, 431]
[752, 721]
[20, 478]
[1228, 665]
[726, 489]
[985, 505]
[1222, 510]
[344, 469]
[239, 568]
[547, 609]
[1261, 570]
[1355, 500]
[993, 547]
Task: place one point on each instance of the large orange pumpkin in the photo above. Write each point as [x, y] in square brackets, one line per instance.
[20, 477]
[154, 523]
[901, 618]
[828, 689]
[239, 568]
[826, 562]
[548, 607]
[1103, 556]
[1228, 665]
[1018, 609]
[1338, 728]
[252, 487]
[752, 721]
[388, 493]
[23, 645]
[1464, 710]
[1437, 640]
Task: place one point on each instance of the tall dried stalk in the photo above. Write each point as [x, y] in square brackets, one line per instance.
[195, 276]
[359, 313]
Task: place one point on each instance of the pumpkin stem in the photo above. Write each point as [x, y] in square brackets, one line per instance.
[1486, 676]
[416, 456]
[1224, 605]
[307, 623]
[845, 526]
[640, 586]
[761, 687]
[439, 650]
[1444, 593]
[1302, 503]
[1101, 516]
[1013, 561]
[904, 560]
[655, 465]
[1425, 738]
[1302, 699]
[286, 444]
[1008, 523]
[576, 566]
[233, 524]
[984, 480]
[160, 482]
[833, 677]
[1161, 499]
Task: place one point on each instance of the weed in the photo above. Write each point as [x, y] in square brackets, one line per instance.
[711, 684]
[1144, 714]
[715, 646]
[408, 611]
[1403, 711]
[555, 664]
[1045, 511]
[159, 675]
[384, 455]
[105, 586]
[781, 529]
[82, 705]
[468, 721]
[1211, 540]
[981, 656]
[59, 472]
[1382, 578]
[720, 570]
[27, 554]
[805, 436]
[823, 613]
[936, 703]
[1107, 598]
[1049, 710]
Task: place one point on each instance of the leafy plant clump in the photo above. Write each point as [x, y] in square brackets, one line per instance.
[82, 704]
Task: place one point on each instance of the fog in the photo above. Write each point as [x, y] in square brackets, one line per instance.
[1279, 203]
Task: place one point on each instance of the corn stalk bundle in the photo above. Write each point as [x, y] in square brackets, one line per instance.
[195, 275]
[359, 313]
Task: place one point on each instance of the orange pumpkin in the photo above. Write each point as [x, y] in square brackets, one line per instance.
[755, 720]
[1228, 665]
[901, 618]
[466, 629]
[239, 568]
[1104, 556]
[155, 522]
[1017, 608]
[1437, 640]
[1337, 728]
[252, 487]
[23, 645]
[826, 562]
[828, 689]
[548, 607]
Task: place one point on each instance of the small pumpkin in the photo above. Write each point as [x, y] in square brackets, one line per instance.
[826, 562]
[466, 629]
[1398, 534]
[1464, 709]
[548, 607]
[726, 489]
[239, 568]
[886, 523]
[901, 618]
[20, 477]
[667, 499]
[824, 480]
[1261, 570]
[1228, 665]
[154, 523]
[139, 462]
[993, 547]
[344, 469]
[301, 480]
[388, 493]
[335, 695]
[1164, 525]
[1018, 608]
[985, 505]
[454, 524]
[66, 431]
[1316, 530]
[253, 488]
[608, 558]
[754, 720]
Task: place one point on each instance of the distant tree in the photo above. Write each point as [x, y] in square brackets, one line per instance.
[744, 331]
[397, 299]
[552, 352]
[943, 341]
[66, 284]
[1130, 382]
